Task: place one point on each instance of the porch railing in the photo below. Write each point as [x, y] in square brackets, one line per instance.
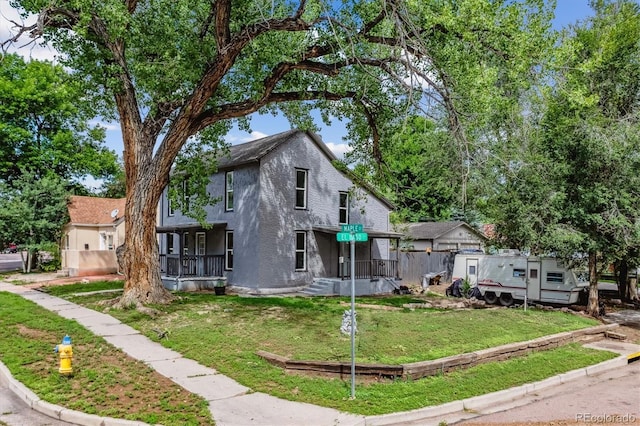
[208, 265]
[375, 268]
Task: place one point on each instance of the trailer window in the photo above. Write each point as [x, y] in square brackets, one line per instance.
[472, 269]
[533, 274]
[555, 277]
[519, 273]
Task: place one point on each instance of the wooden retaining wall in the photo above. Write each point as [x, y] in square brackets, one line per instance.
[417, 370]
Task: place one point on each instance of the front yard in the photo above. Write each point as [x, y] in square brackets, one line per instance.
[226, 332]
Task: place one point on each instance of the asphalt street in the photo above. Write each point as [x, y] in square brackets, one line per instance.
[14, 412]
[10, 262]
[612, 398]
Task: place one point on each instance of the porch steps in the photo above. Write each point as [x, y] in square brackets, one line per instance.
[320, 287]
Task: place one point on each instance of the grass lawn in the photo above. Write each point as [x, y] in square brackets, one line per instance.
[105, 382]
[225, 333]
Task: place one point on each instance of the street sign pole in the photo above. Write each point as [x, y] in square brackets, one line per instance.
[353, 318]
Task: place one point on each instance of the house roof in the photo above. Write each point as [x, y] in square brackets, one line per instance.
[95, 210]
[254, 151]
[434, 230]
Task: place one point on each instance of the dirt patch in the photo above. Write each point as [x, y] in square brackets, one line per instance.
[35, 334]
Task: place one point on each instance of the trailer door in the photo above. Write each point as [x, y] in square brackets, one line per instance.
[472, 271]
[533, 279]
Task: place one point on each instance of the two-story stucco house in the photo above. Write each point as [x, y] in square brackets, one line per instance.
[274, 230]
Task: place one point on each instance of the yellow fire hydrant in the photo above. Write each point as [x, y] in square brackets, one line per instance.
[65, 350]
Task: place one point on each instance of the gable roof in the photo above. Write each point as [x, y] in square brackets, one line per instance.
[254, 151]
[434, 230]
[94, 210]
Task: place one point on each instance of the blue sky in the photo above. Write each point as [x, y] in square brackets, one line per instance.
[567, 12]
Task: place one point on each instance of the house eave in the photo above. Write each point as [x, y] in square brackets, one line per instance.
[178, 228]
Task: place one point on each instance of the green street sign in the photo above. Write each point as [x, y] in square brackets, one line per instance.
[352, 227]
[361, 236]
[345, 237]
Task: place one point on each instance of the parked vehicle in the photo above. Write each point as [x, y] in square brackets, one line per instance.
[507, 277]
[11, 248]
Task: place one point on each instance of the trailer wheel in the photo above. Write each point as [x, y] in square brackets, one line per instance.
[490, 297]
[506, 299]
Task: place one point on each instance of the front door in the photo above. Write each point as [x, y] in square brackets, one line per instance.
[533, 279]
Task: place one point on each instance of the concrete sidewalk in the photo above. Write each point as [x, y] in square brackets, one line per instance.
[232, 404]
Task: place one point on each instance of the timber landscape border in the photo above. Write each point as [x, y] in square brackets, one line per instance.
[420, 369]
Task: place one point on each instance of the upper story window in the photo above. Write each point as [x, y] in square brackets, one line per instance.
[228, 191]
[170, 210]
[343, 215]
[301, 189]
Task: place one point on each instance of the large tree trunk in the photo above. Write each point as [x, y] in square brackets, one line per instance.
[621, 273]
[141, 268]
[593, 307]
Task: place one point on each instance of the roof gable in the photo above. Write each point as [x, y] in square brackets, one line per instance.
[94, 210]
[434, 230]
[254, 151]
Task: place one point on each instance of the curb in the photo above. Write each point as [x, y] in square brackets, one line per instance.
[494, 399]
[56, 411]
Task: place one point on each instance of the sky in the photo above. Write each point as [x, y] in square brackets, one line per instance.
[567, 12]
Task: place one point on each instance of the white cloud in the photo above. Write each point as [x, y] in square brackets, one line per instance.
[339, 149]
[25, 46]
[237, 138]
[108, 126]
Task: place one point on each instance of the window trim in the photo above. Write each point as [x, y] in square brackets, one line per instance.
[170, 242]
[302, 250]
[170, 210]
[303, 189]
[228, 251]
[228, 191]
[344, 208]
[185, 244]
[197, 244]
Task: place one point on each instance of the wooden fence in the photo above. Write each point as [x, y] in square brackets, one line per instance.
[415, 264]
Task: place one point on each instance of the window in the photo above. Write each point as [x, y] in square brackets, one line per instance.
[533, 274]
[519, 273]
[66, 242]
[169, 243]
[301, 189]
[106, 241]
[170, 210]
[344, 208]
[228, 190]
[228, 257]
[555, 277]
[301, 251]
[185, 243]
[472, 269]
[201, 245]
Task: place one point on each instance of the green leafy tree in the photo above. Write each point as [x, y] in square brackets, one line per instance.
[179, 72]
[419, 176]
[33, 211]
[44, 124]
[574, 189]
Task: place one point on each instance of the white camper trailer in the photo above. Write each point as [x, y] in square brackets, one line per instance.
[507, 277]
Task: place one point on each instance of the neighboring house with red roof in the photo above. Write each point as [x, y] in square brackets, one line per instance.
[90, 239]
